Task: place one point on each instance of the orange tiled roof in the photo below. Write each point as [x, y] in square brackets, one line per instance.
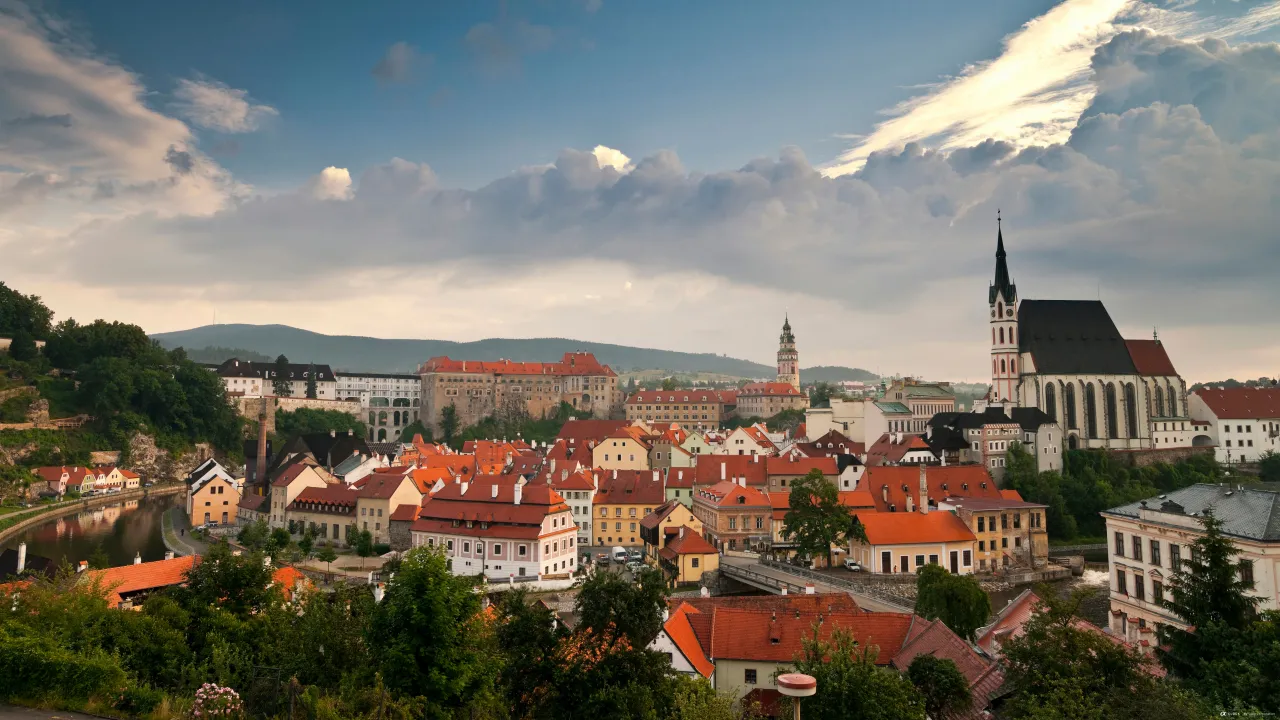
[911, 528]
[656, 397]
[570, 364]
[287, 578]
[886, 483]
[1011, 495]
[731, 494]
[681, 633]
[688, 543]
[768, 389]
[776, 637]
[143, 576]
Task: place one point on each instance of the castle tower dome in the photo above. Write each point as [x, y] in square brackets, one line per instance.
[788, 358]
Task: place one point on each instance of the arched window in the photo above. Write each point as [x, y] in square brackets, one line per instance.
[382, 435]
[1159, 402]
[1091, 411]
[999, 310]
[1051, 402]
[395, 418]
[993, 336]
[372, 419]
[382, 418]
[1001, 336]
[1013, 367]
[1173, 403]
[1113, 418]
[1069, 403]
[1012, 340]
[993, 366]
[1131, 410]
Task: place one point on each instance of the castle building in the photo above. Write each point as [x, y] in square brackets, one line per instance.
[1067, 358]
[766, 399]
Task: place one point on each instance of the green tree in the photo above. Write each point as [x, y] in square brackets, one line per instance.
[614, 609]
[669, 383]
[255, 535]
[1059, 671]
[307, 543]
[816, 520]
[850, 685]
[943, 687]
[311, 381]
[416, 428]
[98, 559]
[820, 394]
[957, 600]
[279, 540]
[327, 555]
[364, 545]
[280, 384]
[425, 635]
[26, 313]
[530, 637]
[1269, 466]
[23, 346]
[238, 584]
[695, 699]
[305, 421]
[449, 422]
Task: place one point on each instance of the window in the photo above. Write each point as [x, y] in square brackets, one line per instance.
[1155, 552]
[1004, 542]
[1004, 522]
[1017, 518]
[1139, 586]
[1121, 587]
[1119, 544]
[1246, 571]
[604, 512]
[693, 562]
[919, 561]
[1157, 592]
[733, 523]
[933, 559]
[982, 546]
[982, 524]
[968, 559]
[749, 676]
[1137, 547]
[1175, 557]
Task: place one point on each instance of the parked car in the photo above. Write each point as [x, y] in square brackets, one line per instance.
[634, 566]
[147, 484]
[635, 556]
[852, 565]
[619, 554]
[602, 558]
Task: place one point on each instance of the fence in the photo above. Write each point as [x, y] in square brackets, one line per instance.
[871, 588]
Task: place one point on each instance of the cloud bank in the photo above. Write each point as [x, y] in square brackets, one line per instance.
[1160, 198]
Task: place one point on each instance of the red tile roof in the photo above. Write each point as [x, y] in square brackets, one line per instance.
[493, 504]
[960, 481]
[817, 602]
[337, 496]
[687, 543]
[654, 397]
[680, 630]
[289, 579]
[580, 480]
[1011, 495]
[768, 388]
[629, 487]
[731, 494]
[800, 466]
[884, 450]
[1149, 357]
[936, 639]
[292, 472]
[711, 469]
[405, 512]
[776, 636]
[381, 486]
[910, 528]
[660, 513]
[570, 364]
[251, 501]
[119, 581]
[1242, 403]
[681, 477]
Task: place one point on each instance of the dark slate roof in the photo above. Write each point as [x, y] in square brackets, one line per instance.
[1070, 337]
[235, 367]
[970, 420]
[34, 564]
[1002, 284]
[1031, 418]
[1245, 511]
[251, 449]
[942, 438]
[390, 449]
[331, 450]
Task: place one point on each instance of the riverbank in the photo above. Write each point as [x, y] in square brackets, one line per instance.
[16, 523]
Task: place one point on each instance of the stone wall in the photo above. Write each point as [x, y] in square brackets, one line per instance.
[249, 407]
[1143, 458]
[401, 538]
[156, 465]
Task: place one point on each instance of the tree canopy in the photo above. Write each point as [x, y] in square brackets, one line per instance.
[816, 520]
[958, 600]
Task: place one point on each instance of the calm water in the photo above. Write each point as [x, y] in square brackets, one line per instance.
[1094, 608]
[121, 529]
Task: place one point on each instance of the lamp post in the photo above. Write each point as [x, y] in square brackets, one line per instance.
[797, 685]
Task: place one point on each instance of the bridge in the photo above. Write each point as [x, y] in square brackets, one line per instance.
[775, 577]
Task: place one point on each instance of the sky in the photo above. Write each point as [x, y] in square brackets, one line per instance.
[660, 174]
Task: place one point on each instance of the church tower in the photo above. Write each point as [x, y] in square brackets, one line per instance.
[788, 359]
[1003, 299]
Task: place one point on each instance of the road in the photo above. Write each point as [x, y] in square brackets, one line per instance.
[865, 602]
[19, 713]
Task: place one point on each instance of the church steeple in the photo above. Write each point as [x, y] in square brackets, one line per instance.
[1002, 285]
[788, 358]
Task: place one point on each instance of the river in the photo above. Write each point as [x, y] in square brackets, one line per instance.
[122, 530]
[1094, 608]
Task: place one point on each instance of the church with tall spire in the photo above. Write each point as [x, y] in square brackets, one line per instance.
[1068, 359]
[788, 358]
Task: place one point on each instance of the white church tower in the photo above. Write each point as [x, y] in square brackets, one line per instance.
[788, 358]
[1003, 298]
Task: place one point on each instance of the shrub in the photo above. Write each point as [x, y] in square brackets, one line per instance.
[31, 667]
[139, 699]
[381, 549]
[218, 702]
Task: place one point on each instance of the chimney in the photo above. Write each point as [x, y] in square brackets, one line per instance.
[379, 592]
[22, 558]
[260, 462]
[137, 559]
[784, 589]
[168, 555]
[564, 474]
[333, 433]
[682, 531]
[235, 553]
[924, 492]
[465, 485]
[910, 504]
[266, 561]
[553, 464]
[666, 614]
[495, 492]
[705, 592]
[722, 470]
[884, 492]
[349, 433]
[84, 565]
[519, 494]
[755, 458]
[655, 476]
[615, 474]
[809, 589]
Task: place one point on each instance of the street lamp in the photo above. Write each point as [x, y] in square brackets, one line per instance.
[797, 685]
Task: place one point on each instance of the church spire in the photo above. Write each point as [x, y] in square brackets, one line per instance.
[1002, 285]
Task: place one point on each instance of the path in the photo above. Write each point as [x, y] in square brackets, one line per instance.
[773, 579]
[20, 713]
[176, 530]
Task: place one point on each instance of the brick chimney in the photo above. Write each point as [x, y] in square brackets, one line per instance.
[168, 555]
[22, 558]
[260, 464]
[723, 471]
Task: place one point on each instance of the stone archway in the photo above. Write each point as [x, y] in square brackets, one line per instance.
[1072, 443]
[1201, 441]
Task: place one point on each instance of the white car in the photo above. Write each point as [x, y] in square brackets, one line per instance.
[852, 565]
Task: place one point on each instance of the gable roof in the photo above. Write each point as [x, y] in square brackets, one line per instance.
[800, 466]
[680, 630]
[688, 542]
[119, 581]
[1069, 337]
[711, 469]
[35, 564]
[740, 634]
[769, 389]
[885, 450]
[660, 513]
[729, 493]
[697, 395]
[252, 501]
[1242, 403]
[573, 363]
[1031, 418]
[912, 528]
[1149, 357]
[885, 484]
[810, 603]
[630, 487]
[381, 486]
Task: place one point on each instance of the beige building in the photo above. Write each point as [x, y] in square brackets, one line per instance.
[1009, 532]
[377, 496]
[734, 516]
[479, 388]
[624, 449]
[904, 542]
[1149, 539]
[622, 499]
[687, 556]
[659, 526]
[291, 481]
[766, 399]
[694, 408]
[329, 512]
[924, 399]
[213, 499]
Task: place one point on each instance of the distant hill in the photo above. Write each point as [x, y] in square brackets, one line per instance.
[354, 353]
[836, 373]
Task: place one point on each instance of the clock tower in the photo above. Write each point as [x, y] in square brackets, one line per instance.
[1003, 299]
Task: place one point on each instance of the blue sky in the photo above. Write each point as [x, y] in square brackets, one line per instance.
[651, 173]
[719, 82]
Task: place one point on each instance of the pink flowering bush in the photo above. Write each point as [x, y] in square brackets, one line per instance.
[215, 701]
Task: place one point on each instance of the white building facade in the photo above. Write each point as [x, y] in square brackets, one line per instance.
[1242, 422]
[388, 402]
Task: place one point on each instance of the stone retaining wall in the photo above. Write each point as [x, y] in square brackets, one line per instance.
[1143, 458]
[249, 407]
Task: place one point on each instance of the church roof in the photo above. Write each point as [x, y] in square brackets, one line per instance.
[1150, 357]
[1068, 337]
[1002, 285]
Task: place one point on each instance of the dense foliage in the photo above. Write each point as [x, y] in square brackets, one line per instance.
[944, 688]
[815, 519]
[1092, 481]
[958, 600]
[512, 421]
[23, 313]
[851, 684]
[308, 420]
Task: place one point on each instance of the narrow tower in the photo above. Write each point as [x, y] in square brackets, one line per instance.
[1003, 299]
[788, 359]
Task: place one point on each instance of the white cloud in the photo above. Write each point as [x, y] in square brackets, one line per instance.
[216, 106]
[398, 63]
[608, 157]
[333, 183]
